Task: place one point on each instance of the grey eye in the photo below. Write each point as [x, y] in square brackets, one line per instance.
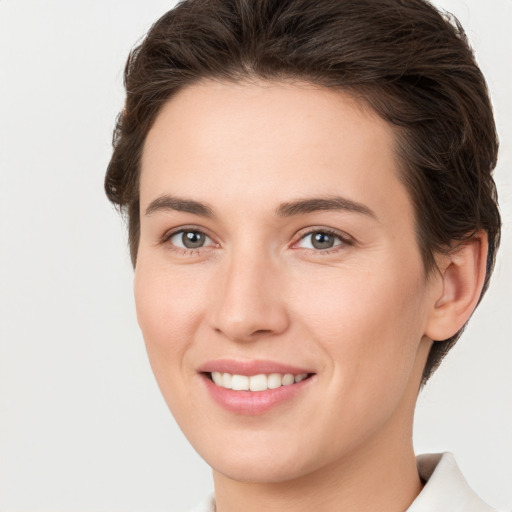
[319, 240]
[189, 239]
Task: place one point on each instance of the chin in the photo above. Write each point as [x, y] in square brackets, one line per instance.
[259, 462]
[257, 472]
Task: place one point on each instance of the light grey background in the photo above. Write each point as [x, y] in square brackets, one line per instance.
[82, 423]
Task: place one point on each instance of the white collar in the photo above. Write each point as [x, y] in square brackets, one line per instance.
[446, 489]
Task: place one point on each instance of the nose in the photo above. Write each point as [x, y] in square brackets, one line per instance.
[247, 302]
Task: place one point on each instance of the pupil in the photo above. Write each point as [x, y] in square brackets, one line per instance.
[322, 241]
[193, 239]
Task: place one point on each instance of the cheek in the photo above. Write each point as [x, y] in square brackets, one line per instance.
[369, 322]
[369, 329]
[341, 301]
[167, 311]
[168, 315]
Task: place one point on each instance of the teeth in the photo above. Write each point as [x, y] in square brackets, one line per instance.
[259, 382]
[274, 381]
[240, 382]
[288, 379]
[227, 380]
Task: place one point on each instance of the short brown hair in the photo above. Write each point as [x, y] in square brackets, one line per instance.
[406, 60]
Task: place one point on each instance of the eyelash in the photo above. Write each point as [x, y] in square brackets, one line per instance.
[185, 251]
[343, 238]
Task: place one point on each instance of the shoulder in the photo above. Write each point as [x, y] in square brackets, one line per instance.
[446, 489]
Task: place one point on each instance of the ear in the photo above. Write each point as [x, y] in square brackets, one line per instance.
[461, 274]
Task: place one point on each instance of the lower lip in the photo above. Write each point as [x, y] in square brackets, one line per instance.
[253, 403]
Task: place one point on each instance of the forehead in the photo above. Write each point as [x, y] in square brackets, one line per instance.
[269, 141]
[292, 111]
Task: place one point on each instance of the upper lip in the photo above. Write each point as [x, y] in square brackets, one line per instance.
[252, 367]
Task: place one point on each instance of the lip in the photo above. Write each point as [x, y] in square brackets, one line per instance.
[252, 403]
[254, 367]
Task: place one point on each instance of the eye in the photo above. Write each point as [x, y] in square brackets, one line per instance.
[321, 240]
[189, 239]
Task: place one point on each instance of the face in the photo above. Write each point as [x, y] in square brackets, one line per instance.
[278, 258]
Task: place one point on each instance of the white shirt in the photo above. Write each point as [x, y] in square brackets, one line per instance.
[446, 489]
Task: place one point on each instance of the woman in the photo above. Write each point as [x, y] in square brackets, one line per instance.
[312, 221]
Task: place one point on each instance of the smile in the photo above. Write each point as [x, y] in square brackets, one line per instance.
[254, 388]
[260, 382]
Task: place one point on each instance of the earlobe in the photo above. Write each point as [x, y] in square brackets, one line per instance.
[462, 273]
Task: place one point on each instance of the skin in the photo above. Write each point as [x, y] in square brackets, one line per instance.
[360, 315]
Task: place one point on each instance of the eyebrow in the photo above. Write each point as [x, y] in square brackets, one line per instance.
[167, 202]
[315, 204]
[287, 209]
